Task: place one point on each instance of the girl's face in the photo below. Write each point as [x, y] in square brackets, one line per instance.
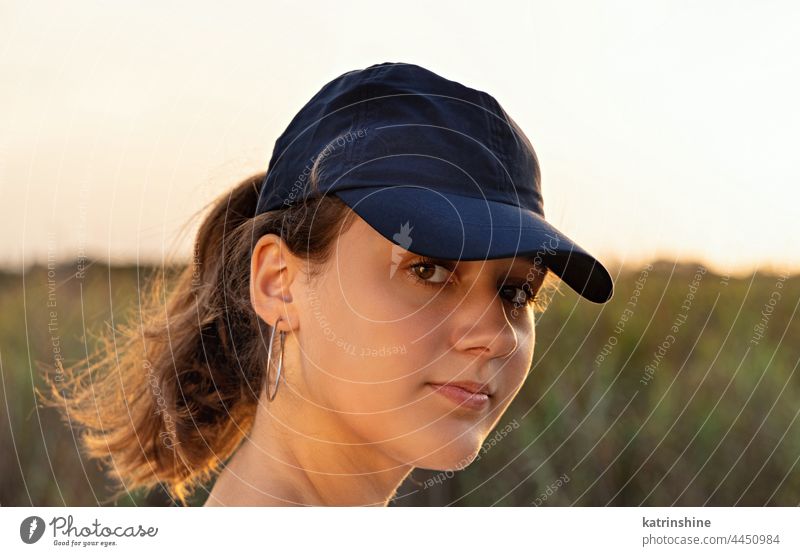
[381, 328]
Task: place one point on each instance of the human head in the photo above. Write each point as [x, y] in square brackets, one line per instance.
[374, 328]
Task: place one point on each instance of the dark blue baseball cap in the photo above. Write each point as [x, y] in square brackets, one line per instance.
[434, 166]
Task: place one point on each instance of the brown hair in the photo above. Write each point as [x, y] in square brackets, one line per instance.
[169, 396]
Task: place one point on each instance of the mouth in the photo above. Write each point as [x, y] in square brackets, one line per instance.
[467, 394]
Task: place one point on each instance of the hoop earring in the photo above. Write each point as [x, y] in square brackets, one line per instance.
[269, 360]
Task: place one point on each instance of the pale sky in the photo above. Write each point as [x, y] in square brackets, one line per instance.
[664, 129]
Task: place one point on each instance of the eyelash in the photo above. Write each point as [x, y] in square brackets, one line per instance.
[531, 300]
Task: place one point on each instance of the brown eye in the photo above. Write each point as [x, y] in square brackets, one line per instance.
[431, 273]
[519, 295]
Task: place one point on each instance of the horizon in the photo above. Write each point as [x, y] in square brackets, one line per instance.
[614, 267]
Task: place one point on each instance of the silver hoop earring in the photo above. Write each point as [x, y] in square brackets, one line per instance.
[269, 360]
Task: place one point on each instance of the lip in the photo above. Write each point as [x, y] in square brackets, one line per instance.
[467, 394]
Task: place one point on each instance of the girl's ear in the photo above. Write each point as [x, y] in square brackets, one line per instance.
[273, 269]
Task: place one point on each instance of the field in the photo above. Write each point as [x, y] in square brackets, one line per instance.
[682, 390]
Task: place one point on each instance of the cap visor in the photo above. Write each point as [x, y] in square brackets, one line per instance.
[450, 226]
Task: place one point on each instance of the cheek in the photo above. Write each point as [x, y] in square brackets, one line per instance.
[357, 356]
[363, 327]
[519, 364]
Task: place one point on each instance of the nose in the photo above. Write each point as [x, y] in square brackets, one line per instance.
[481, 325]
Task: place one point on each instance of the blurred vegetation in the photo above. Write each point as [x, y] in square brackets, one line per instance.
[712, 421]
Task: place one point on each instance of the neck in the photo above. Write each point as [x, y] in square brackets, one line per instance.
[284, 462]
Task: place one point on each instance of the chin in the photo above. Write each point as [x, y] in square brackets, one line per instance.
[448, 452]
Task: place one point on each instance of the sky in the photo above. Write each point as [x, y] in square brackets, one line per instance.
[665, 130]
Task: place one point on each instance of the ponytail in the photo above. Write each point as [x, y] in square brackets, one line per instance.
[170, 395]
